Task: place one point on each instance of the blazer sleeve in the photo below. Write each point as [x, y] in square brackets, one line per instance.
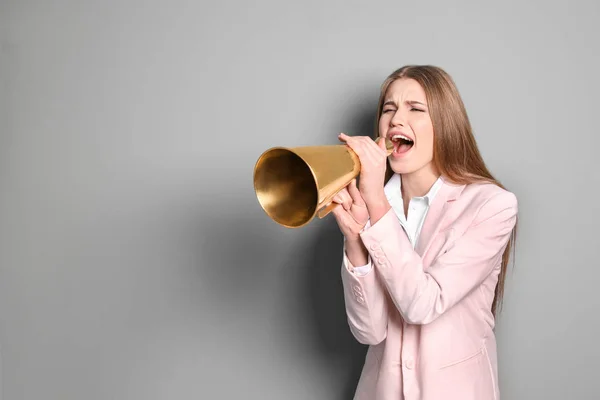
[422, 296]
[366, 304]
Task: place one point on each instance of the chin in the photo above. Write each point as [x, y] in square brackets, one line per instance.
[403, 168]
[407, 167]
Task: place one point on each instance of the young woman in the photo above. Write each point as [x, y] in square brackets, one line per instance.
[427, 235]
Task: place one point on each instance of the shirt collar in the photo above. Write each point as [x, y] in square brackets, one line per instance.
[393, 188]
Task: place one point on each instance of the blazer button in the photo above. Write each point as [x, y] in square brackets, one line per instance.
[409, 363]
[360, 300]
[374, 247]
[356, 288]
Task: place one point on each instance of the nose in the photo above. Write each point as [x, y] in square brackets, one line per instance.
[397, 119]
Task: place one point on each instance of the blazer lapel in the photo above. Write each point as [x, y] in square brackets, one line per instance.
[436, 215]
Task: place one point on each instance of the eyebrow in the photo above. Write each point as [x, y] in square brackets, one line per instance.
[390, 102]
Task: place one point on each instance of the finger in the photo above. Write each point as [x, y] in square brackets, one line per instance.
[345, 220]
[366, 149]
[337, 216]
[350, 139]
[355, 194]
[382, 145]
[338, 211]
[371, 144]
[343, 198]
[341, 216]
[342, 137]
[354, 143]
[346, 199]
[374, 148]
[339, 196]
[372, 151]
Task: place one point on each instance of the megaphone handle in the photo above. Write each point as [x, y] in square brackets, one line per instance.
[327, 209]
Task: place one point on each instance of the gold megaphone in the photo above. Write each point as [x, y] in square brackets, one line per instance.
[295, 184]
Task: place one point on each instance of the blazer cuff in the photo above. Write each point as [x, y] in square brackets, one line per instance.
[382, 228]
[362, 270]
[381, 232]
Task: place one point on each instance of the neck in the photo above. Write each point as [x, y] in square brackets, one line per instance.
[418, 183]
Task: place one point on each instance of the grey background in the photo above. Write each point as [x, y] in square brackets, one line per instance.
[135, 262]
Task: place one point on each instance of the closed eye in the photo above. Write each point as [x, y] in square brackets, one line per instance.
[417, 109]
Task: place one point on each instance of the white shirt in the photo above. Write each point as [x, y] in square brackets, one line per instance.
[417, 210]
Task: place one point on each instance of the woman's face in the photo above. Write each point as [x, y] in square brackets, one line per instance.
[406, 121]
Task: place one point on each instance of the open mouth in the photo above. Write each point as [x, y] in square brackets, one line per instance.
[402, 143]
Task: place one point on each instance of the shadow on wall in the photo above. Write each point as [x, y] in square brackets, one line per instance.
[324, 283]
[333, 338]
[238, 252]
[244, 253]
[246, 274]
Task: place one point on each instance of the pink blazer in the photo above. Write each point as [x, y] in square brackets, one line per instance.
[426, 313]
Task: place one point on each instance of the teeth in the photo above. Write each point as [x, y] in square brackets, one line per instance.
[396, 137]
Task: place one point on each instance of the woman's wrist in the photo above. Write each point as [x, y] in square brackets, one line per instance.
[353, 240]
[356, 251]
[378, 207]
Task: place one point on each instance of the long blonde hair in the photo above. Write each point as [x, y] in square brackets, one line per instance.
[455, 152]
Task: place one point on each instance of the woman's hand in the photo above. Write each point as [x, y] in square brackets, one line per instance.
[351, 214]
[373, 159]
